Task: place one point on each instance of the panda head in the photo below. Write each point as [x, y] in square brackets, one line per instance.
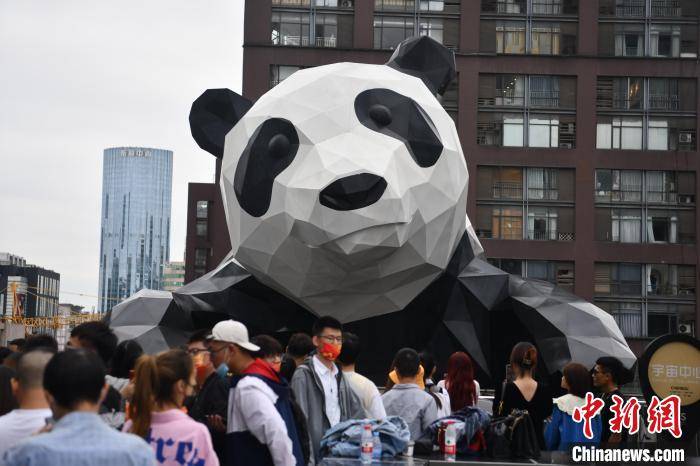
[343, 180]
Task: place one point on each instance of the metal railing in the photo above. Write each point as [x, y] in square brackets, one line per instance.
[507, 190]
[631, 8]
[551, 7]
[551, 235]
[666, 8]
[548, 194]
[544, 98]
[303, 41]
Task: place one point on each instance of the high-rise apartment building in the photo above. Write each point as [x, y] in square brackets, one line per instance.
[135, 233]
[173, 276]
[578, 120]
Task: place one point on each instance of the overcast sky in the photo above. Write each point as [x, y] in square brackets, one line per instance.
[79, 76]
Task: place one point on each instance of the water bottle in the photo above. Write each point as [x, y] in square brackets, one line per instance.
[366, 445]
[451, 443]
[376, 446]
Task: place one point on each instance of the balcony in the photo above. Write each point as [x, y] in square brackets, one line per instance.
[666, 8]
[544, 235]
[544, 194]
[544, 7]
[547, 98]
[507, 190]
[631, 8]
[664, 102]
[303, 41]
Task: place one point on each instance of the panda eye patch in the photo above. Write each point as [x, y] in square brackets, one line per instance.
[400, 117]
[269, 151]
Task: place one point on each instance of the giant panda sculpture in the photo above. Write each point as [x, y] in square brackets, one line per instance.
[345, 191]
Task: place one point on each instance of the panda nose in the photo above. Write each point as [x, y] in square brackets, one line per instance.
[353, 192]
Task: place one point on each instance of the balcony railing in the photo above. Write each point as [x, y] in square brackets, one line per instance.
[547, 194]
[662, 197]
[666, 8]
[664, 102]
[552, 235]
[631, 8]
[507, 190]
[304, 41]
[544, 98]
[551, 7]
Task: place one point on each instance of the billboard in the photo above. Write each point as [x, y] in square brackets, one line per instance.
[16, 302]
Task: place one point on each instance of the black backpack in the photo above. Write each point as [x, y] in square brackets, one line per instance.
[512, 436]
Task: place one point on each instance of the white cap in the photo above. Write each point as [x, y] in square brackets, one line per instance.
[232, 331]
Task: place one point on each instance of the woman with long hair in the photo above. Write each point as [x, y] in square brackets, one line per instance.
[460, 383]
[162, 383]
[524, 392]
[8, 402]
[563, 432]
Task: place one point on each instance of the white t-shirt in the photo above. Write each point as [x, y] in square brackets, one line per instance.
[368, 394]
[20, 424]
[330, 389]
[477, 389]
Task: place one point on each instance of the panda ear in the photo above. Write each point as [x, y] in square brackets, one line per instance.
[427, 59]
[213, 115]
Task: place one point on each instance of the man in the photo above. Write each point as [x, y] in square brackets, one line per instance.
[16, 345]
[363, 387]
[298, 349]
[41, 341]
[319, 386]
[261, 429]
[96, 336]
[270, 350]
[406, 399]
[607, 377]
[33, 410]
[74, 382]
[209, 405]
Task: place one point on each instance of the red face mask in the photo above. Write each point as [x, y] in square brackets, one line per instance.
[329, 350]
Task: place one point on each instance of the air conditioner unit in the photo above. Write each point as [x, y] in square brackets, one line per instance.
[685, 138]
[686, 198]
[687, 328]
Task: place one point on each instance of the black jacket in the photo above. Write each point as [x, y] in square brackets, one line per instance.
[212, 399]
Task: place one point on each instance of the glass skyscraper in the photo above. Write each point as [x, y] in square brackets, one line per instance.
[135, 234]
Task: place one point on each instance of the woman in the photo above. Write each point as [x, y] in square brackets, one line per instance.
[122, 365]
[442, 398]
[8, 402]
[524, 392]
[459, 382]
[162, 383]
[563, 432]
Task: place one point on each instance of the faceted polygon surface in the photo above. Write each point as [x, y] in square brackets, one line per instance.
[153, 319]
[359, 192]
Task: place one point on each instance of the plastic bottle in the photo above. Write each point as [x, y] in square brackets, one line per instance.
[366, 445]
[376, 446]
[451, 443]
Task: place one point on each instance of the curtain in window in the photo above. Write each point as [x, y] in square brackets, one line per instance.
[655, 186]
[513, 130]
[631, 184]
[626, 226]
[535, 183]
[658, 134]
[603, 135]
[629, 318]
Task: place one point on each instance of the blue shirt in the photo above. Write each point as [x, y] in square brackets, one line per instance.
[81, 439]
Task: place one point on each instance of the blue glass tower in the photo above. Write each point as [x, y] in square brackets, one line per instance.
[135, 234]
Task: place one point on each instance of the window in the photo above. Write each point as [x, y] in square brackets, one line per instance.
[523, 27]
[663, 38]
[546, 202]
[279, 73]
[511, 266]
[202, 227]
[202, 209]
[657, 296]
[200, 257]
[551, 99]
[557, 273]
[437, 19]
[658, 113]
[665, 200]
[450, 98]
[323, 23]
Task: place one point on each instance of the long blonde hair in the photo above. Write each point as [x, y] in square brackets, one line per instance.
[155, 377]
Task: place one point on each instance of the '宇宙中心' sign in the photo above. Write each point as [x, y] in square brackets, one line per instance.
[669, 366]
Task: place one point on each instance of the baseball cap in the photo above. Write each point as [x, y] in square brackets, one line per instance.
[232, 331]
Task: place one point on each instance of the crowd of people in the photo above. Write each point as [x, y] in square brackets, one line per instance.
[230, 399]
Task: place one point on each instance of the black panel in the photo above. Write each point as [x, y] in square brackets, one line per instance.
[270, 150]
[213, 115]
[353, 192]
[427, 59]
[400, 117]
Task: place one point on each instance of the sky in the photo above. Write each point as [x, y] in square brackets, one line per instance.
[80, 76]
